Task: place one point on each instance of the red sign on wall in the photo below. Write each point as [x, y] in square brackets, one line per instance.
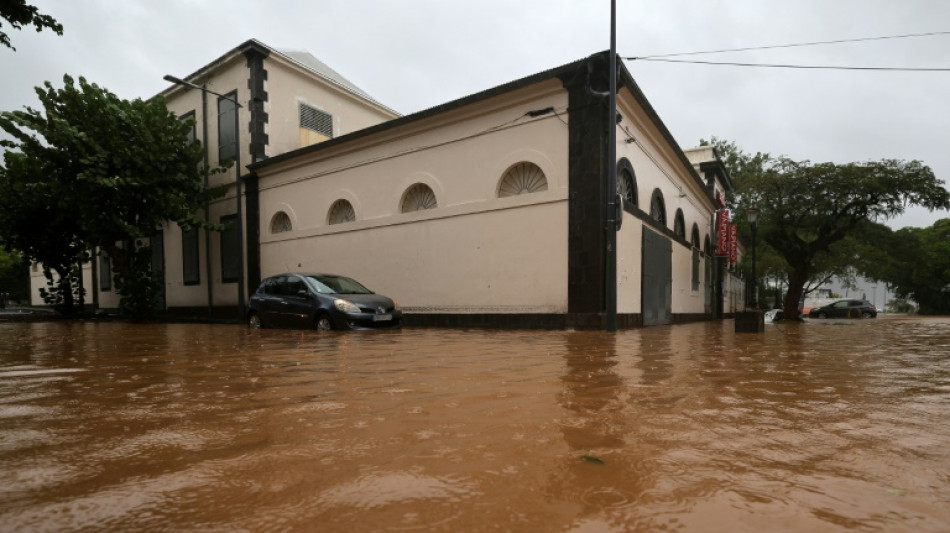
[733, 244]
[722, 233]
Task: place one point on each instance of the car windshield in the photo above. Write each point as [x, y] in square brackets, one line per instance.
[337, 285]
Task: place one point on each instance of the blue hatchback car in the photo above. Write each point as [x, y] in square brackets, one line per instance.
[320, 301]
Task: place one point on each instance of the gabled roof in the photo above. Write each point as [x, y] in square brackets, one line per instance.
[300, 58]
[308, 61]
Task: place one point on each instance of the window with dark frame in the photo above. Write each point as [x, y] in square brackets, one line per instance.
[230, 262]
[695, 269]
[227, 127]
[190, 262]
[105, 272]
[658, 208]
[192, 134]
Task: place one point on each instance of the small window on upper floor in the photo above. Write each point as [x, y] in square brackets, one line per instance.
[694, 236]
[679, 224]
[658, 208]
[522, 178]
[315, 125]
[280, 223]
[627, 182]
[190, 136]
[417, 198]
[341, 211]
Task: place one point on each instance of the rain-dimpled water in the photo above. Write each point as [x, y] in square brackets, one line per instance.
[835, 425]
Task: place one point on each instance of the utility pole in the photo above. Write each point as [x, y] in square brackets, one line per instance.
[610, 281]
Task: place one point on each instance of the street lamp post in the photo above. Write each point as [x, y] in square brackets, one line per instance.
[753, 213]
[237, 165]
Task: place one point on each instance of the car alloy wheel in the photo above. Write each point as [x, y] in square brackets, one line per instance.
[254, 321]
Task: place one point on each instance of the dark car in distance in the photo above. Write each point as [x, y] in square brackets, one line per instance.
[320, 301]
[845, 309]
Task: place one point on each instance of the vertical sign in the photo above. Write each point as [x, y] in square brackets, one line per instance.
[733, 244]
[722, 232]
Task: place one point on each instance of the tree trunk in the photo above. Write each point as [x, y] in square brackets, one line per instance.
[796, 288]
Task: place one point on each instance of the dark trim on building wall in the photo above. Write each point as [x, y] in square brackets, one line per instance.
[587, 136]
[257, 75]
[579, 321]
[252, 231]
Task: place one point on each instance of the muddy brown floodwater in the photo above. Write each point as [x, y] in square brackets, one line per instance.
[822, 426]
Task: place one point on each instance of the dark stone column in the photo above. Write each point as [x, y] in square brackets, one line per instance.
[587, 137]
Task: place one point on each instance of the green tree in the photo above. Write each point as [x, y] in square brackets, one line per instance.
[93, 170]
[916, 263]
[18, 14]
[14, 275]
[812, 214]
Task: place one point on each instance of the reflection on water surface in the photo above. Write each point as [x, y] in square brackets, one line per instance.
[824, 426]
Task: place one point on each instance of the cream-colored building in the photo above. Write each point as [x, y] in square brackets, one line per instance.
[490, 210]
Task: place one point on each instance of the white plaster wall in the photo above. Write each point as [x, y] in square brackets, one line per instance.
[474, 252]
[287, 85]
[504, 260]
[629, 265]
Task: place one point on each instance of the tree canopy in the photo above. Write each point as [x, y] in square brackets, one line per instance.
[18, 14]
[915, 262]
[93, 170]
[813, 214]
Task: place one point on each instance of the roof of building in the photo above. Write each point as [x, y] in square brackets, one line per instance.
[301, 58]
[624, 77]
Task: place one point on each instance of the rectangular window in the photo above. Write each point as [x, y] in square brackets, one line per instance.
[105, 272]
[191, 133]
[230, 261]
[315, 125]
[227, 127]
[190, 267]
[695, 269]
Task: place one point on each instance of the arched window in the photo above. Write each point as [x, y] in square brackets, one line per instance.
[658, 208]
[341, 211]
[280, 223]
[417, 198]
[694, 237]
[522, 178]
[627, 182]
[679, 224]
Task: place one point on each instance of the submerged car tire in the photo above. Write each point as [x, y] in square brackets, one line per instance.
[867, 314]
[254, 321]
[322, 323]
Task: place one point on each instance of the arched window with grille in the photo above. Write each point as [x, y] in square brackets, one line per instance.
[522, 178]
[627, 182]
[679, 224]
[280, 223]
[418, 198]
[341, 212]
[658, 208]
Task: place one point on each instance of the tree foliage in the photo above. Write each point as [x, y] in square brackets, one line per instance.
[813, 214]
[915, 262]
[93, 170]
[18, 14]
[14, 275]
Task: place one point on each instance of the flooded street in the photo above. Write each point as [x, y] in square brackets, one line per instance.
[823, 426]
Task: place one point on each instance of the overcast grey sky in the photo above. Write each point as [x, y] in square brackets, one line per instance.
[415, 54]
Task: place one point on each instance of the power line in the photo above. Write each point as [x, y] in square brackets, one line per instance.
[778, 65]
[793, 45]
